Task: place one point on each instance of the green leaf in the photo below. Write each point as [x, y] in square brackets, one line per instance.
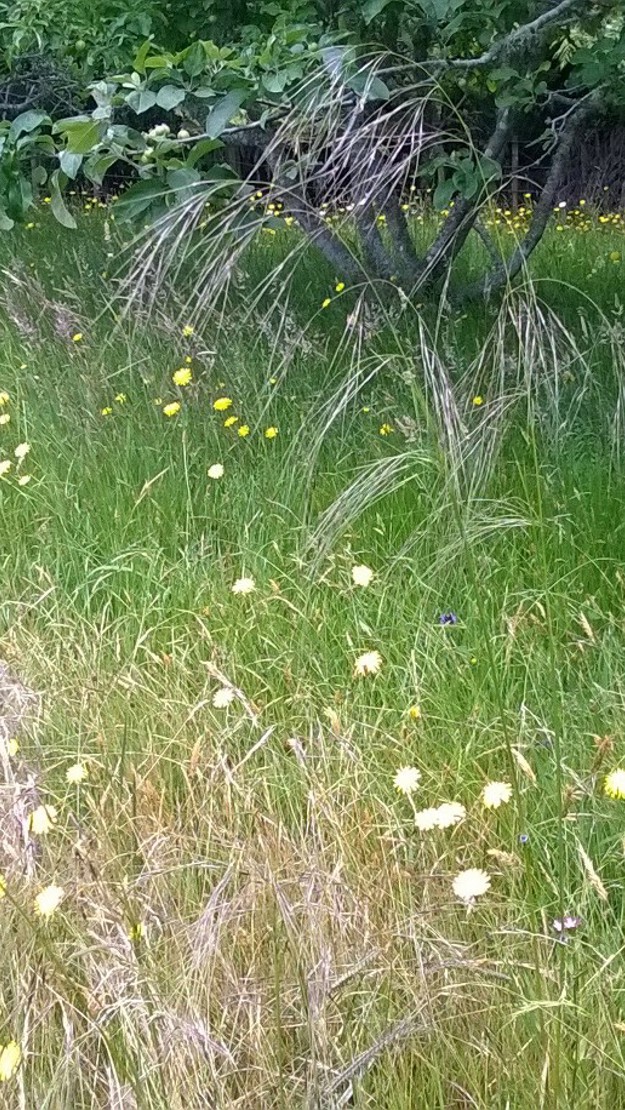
[81, 135]
[371, 88]
[6, 223]
[57, 205]
[223, 111]
[170, 96]
[275, 83]
[141, 100]
[373, 8]
[443, 193]
[70, 163]
[204, 146]
[141, 55]
[26, 122]
[96, 167]
[195, 60]
[136, 200]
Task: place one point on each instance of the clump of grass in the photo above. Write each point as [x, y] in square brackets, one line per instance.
[325, 769]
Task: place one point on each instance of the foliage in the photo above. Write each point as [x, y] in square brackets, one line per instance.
[313, 95]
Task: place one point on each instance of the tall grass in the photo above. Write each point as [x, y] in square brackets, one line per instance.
[250, 917]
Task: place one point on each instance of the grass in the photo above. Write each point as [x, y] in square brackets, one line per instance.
[249, 916]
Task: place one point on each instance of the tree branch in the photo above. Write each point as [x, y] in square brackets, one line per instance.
[516, 39]
[507, 269]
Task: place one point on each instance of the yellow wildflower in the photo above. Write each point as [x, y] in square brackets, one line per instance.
[271, 433]
[188, 331]
[230, 420]
[244, 430]
[614, 785]
[386, 430]
[326, 303]
[106, 411]
[222, 403]
[10, 1060]
[77, 337]
[478, 400]
[171, 409]
[415, 712]
[340, 285]
[182, 376]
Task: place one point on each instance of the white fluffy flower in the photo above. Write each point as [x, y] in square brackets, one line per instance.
[362, 575]
[244, 586]
[216, 471]
[368, 663]
[426, 819]
[407, 780]
[224, 697]
[471, 884]
[450, 813]
[496, 794]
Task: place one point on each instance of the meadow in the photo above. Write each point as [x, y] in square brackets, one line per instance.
[313, 621]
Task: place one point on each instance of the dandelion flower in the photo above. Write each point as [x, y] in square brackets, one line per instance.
[121, 398]
[478, 400]
[5, 418]
[244, 430]
[224, 697]
[24, 479]
[171, 409]
[340, 285]
[4, 399]
[106, 411]
[10, 1060]
[182, 376]
[244, 586]
[426, 819]
[614, 785]
[327, 302]
[76, 774]
[368, 663]
[271, 433]
[77, 338]
[5, 466]
[386, 430]
[450, 814]
[216, 471]
[407, 780]
[471, 884]
[41, 820]
[222, 403]
[496, 794]
[415, 712]
[362, 575]
[48, 900]
[188, 331]
[21, 450]
[229, 421]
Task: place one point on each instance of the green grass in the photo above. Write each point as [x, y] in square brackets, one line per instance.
[250, 917]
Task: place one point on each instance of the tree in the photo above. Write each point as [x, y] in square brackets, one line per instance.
[354, 101]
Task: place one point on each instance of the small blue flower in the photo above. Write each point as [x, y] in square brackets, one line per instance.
[524, 838]
[448, 618]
